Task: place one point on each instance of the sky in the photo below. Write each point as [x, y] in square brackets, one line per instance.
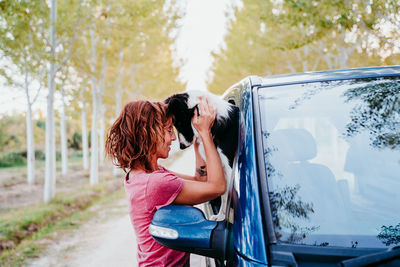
[202, 31]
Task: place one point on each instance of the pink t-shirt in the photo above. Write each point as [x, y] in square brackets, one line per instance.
[147, 192]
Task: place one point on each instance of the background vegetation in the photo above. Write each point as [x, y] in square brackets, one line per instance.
[92, 57]
[268, 37]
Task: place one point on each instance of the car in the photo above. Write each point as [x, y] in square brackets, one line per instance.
[316, 179]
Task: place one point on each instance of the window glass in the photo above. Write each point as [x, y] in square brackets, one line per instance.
[332, 153]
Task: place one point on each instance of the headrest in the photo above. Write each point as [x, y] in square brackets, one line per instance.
[292, 144]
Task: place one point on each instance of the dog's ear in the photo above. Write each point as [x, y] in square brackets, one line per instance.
[169, 99]
[177, 102]
[196, 108]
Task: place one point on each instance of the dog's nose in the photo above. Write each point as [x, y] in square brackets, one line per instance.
[182, 146]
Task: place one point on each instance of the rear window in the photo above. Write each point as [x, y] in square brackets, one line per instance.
[332, 158]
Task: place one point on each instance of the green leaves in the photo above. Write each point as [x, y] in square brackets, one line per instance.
[140, 30]
[274, 37]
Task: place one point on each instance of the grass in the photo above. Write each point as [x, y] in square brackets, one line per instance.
[17, 173]
[23, 232]
[73, 156]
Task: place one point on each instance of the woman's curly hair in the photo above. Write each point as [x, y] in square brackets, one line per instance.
[133, 138]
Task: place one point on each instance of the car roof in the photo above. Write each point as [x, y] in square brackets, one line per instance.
[324, 76]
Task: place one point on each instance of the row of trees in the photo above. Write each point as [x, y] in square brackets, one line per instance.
[95, 55]
[273, 37]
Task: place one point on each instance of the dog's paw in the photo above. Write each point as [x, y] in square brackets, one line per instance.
[217, 218]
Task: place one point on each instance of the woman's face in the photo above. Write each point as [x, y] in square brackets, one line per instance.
[169, 136]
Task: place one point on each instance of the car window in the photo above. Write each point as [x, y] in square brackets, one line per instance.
[332, 158]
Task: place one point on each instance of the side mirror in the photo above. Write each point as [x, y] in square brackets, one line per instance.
[185, 228]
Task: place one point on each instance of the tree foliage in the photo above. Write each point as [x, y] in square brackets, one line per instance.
[390, 235]
[275, 37]
[377, 112]
[132, 41]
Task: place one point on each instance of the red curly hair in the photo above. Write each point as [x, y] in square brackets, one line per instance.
[136, 133]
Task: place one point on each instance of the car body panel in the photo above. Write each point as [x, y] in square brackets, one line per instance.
[241, 261]
[248, 234]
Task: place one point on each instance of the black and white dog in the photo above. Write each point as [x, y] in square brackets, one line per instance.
[224, 131]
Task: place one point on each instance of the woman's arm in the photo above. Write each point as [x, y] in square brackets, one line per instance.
[213, 184]
[201, 165]
[201, 168]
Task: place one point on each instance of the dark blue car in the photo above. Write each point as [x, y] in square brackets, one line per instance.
[316, 177]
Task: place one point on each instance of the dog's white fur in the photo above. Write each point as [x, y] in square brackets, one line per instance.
[223, 109]
[216, 101]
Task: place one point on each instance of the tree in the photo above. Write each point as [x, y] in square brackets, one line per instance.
[354, 25]
[377, 113]
[63, 79]
[22, 46]
[390, 235]
[112, 44]
[128, 40]
[65, 40]
[301, 35]
[85, 143]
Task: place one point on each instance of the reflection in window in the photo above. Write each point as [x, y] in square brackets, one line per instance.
[332, 153]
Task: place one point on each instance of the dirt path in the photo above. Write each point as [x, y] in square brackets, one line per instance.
[16, 193]
[107, 239]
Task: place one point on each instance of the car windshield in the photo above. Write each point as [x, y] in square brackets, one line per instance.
[332, 158]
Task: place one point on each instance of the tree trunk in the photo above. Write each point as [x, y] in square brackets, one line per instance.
[118, 101]
[97, 106]
[30, 146]
[305, 58]
[101, 135]
[50, 179]
[116, 170]
[343, 53]
[94, 161]
[343, 57]
[63, 137]
[94, 146]
[85, 146]
[101, 106]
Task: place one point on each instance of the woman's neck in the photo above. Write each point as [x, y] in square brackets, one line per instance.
[153, 164]
[141, 168]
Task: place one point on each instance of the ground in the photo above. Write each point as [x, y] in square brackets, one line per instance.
[15, 193]
[107, 239]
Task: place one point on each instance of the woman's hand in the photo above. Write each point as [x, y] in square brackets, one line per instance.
[212, 184]
[203, 122]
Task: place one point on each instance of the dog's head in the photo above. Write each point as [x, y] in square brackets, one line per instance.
[182, 114]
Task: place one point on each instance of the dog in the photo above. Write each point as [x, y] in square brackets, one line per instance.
[224, 131]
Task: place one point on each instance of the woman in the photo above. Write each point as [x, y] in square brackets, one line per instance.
[140, 136]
